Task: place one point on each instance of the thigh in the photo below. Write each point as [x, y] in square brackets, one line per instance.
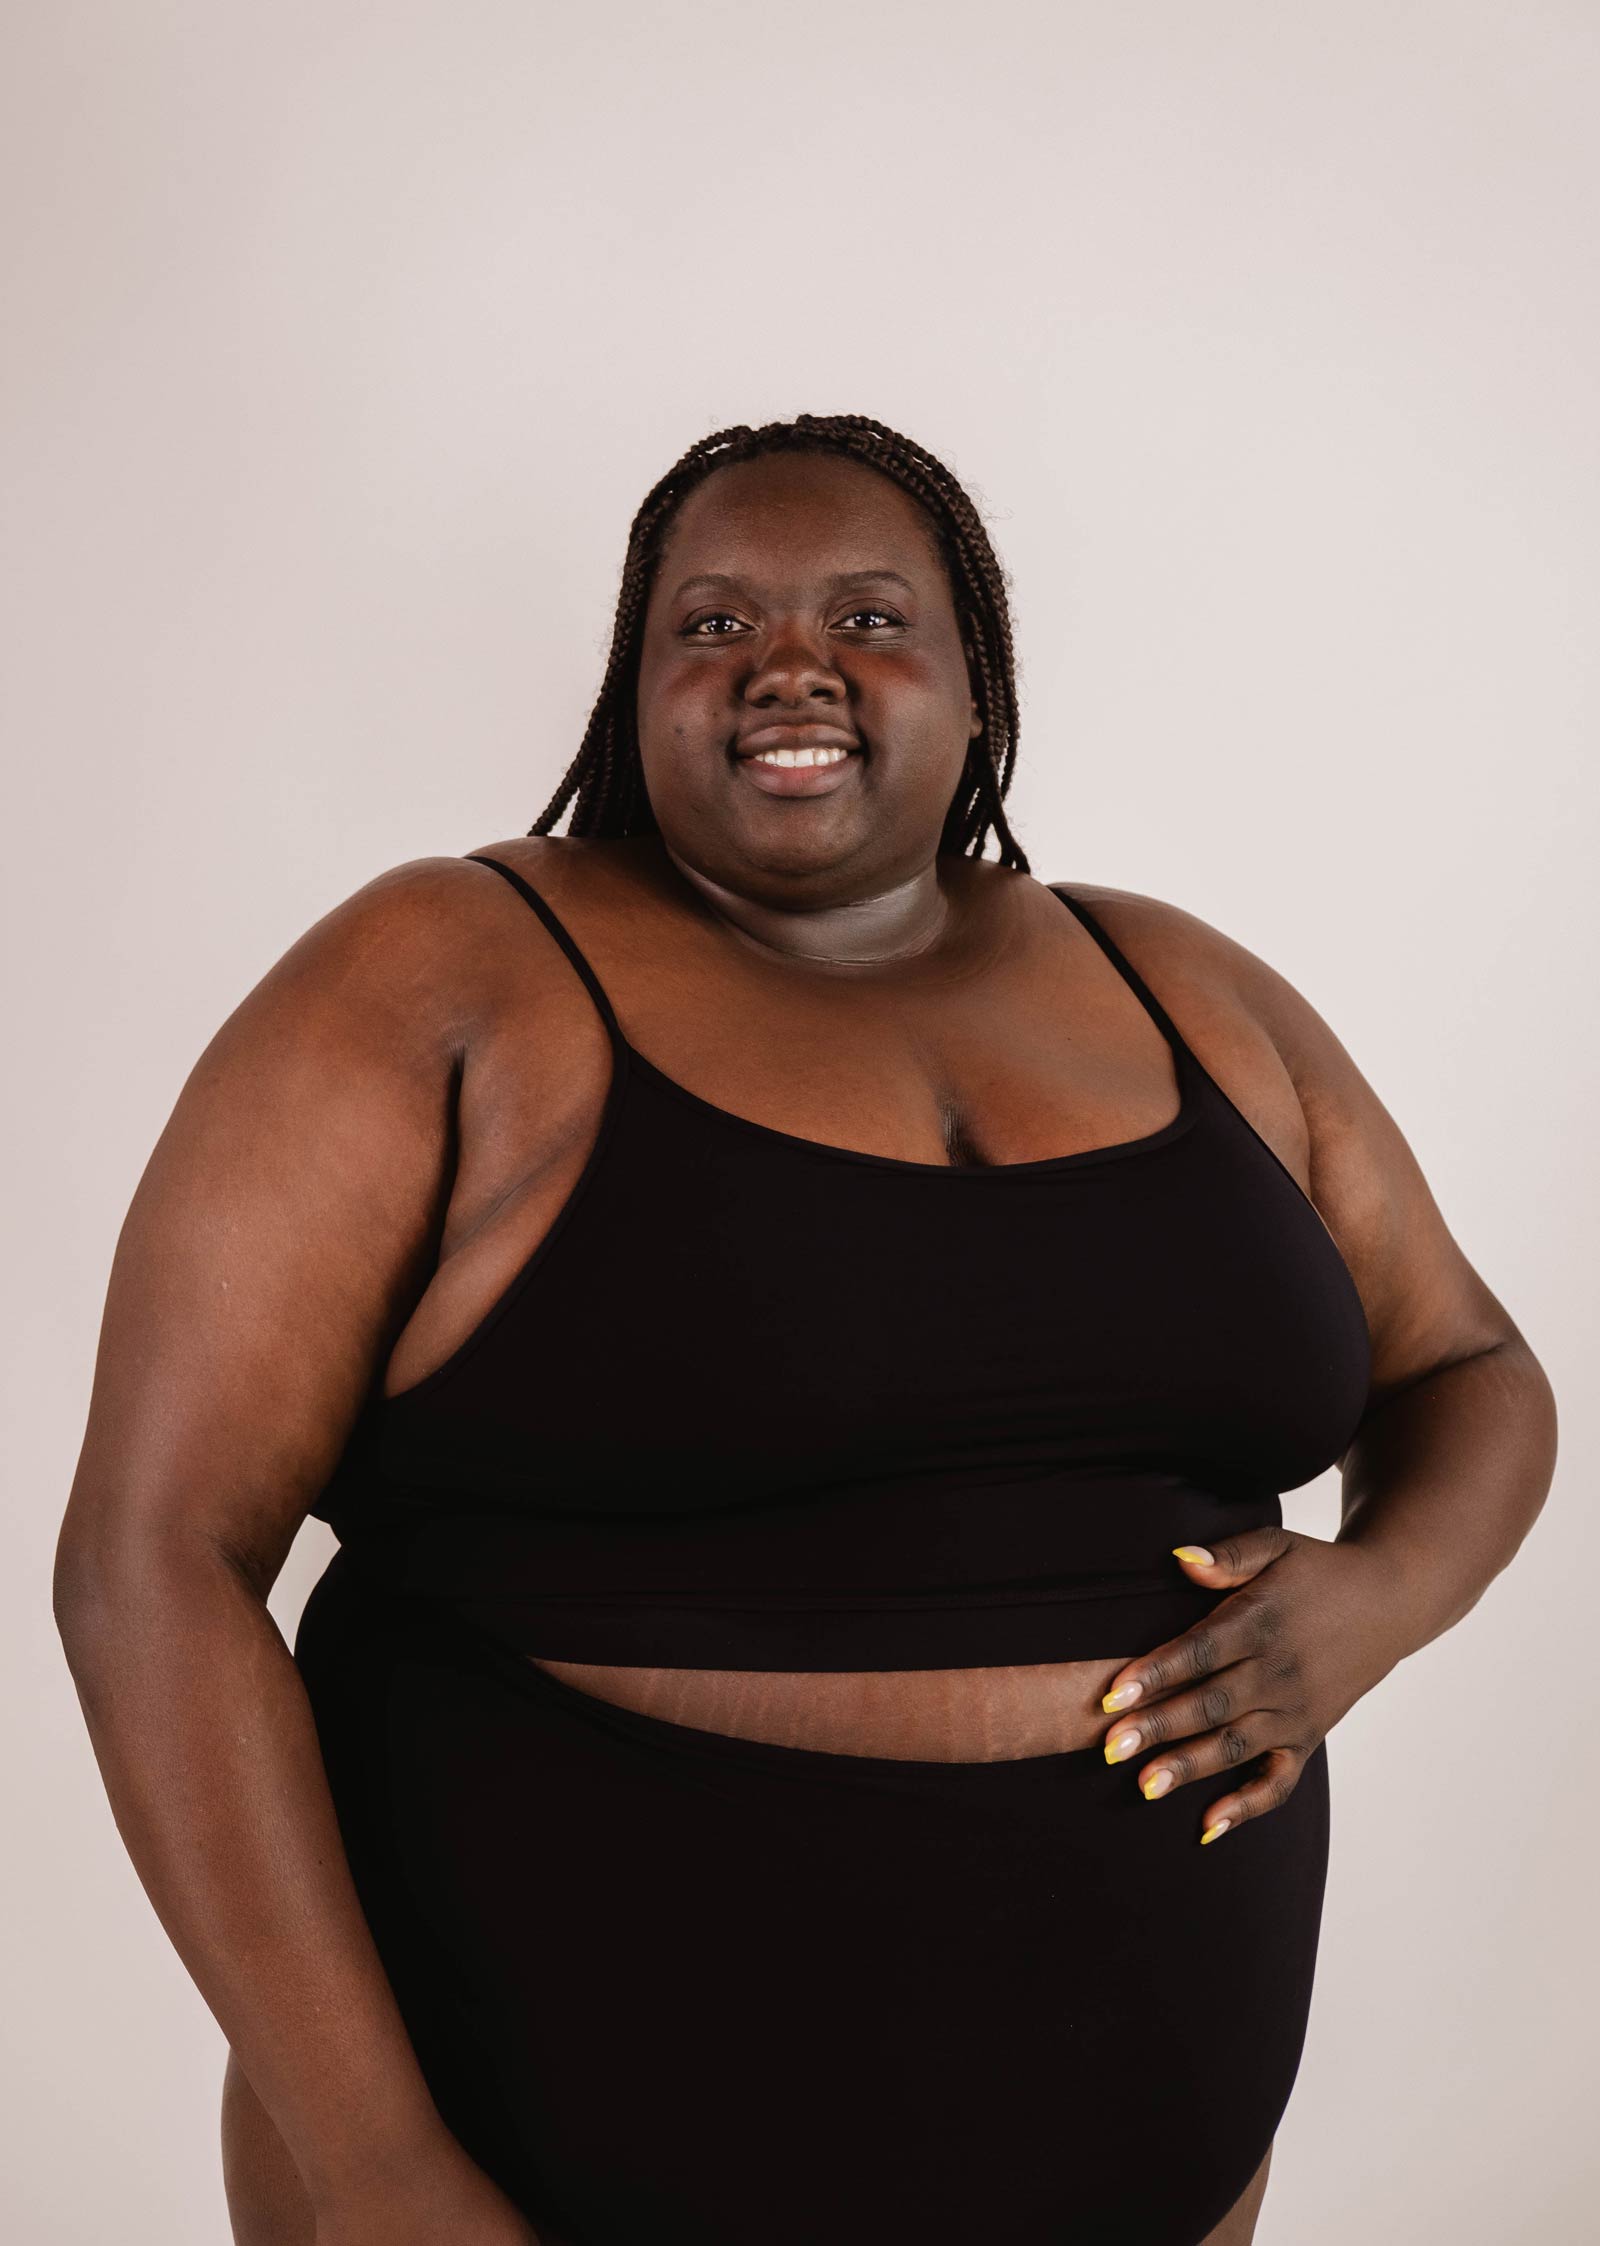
[267, 2203]
[1238, 2225]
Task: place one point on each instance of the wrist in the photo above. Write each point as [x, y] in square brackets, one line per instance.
[1407, 1599]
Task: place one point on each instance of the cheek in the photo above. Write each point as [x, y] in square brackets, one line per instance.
[684, 730]
[911, 682]
[680, 705]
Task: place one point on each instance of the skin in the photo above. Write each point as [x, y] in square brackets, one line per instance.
[375, 1140]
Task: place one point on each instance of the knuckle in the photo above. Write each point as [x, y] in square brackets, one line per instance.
[1202, 1653]
[1156, 1725]
[1263, 1623]
[1216, 1703]
[1233, 1744]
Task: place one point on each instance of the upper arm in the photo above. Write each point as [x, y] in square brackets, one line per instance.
[287, 1216]
[1425, 1304]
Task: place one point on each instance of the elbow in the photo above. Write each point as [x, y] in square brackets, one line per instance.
[79, 1601]
[1526, 1400]
[95, 1603]
[114, 1586]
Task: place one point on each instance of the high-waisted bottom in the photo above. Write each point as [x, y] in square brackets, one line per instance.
[668, 1986]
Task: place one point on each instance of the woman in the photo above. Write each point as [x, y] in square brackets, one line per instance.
[801, 1330]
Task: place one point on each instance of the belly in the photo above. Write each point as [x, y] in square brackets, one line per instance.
[665, 1984]
[913, 1715]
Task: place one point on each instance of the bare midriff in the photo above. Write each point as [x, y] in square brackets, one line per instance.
[909, 1715]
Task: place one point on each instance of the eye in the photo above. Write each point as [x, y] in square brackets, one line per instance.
[702, 626]
[717, 616]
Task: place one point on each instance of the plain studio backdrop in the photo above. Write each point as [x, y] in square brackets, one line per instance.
[344, 338]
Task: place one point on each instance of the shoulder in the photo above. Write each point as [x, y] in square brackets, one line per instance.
[419, 952]
[1210, 980]
[388, 961]
[396, 976]
[1166, 937]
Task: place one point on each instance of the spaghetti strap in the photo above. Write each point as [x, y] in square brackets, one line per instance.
[1129, 973]
[586, 974]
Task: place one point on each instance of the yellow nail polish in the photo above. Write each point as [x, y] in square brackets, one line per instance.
[1215, 1832]
[1156, 1785]
[1123, 1697]
[1194, 1552]
[1125, 1743]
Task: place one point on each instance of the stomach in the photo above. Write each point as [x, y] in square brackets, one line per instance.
[665, 1985]
[913, 1715]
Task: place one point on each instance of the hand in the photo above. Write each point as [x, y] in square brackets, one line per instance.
[1268, 1673]
[446, 2201]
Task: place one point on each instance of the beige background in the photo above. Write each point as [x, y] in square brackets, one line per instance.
[343, 340]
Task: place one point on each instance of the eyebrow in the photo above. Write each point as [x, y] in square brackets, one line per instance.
[712, 581]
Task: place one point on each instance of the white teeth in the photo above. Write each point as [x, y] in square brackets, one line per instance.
[801, 756]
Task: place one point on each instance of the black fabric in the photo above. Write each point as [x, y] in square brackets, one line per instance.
[676, 1989]
[1028, 1383]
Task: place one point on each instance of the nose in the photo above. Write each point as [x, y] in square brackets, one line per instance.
[794, 668]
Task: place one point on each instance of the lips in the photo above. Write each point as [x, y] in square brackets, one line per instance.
[791, 736]
[838, 753]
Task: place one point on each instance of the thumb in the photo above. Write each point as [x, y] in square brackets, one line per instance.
[1234, 1559]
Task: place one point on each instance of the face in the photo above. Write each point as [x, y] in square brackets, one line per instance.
[801, 603]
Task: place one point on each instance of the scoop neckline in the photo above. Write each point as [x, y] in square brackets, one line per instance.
[1151, 1142]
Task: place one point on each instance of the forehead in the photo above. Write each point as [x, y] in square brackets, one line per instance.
[798, 514]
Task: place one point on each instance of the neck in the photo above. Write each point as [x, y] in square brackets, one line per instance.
[895, 923]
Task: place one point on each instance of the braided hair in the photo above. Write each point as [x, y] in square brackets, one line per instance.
[605, 781]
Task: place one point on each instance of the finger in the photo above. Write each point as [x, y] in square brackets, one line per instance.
[1240, 1628]
[1225, 1700]
[1231, 1560]
[1280, 1774]
[1227, 1709]
[1203, 1756]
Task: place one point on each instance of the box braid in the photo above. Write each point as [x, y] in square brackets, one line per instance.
[606, 777]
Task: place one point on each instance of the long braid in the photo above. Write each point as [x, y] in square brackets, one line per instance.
[604, 783]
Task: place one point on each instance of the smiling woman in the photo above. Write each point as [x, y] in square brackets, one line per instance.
[872, 688]
[801, 1331]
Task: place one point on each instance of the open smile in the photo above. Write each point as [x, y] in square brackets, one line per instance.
[797, 760]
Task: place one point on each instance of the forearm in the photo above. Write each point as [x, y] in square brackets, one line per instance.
[1444, 1481]
[206, 1742]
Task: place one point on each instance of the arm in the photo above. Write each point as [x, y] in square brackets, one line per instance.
[1455, 1455]
[287, 1220]
[1456, 1449]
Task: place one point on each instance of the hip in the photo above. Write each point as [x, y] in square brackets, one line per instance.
[667, 1982]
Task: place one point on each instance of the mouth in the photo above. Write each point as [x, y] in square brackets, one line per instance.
[797, 760]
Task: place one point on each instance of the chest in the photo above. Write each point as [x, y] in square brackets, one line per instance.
[722, 1307]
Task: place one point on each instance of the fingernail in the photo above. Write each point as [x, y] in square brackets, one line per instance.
[1156, 1784]
[1125, 1743]
[1123, 1697]
[1195, 1552]
[1215, 1832]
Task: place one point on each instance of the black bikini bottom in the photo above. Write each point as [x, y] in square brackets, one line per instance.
[668, 1986]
